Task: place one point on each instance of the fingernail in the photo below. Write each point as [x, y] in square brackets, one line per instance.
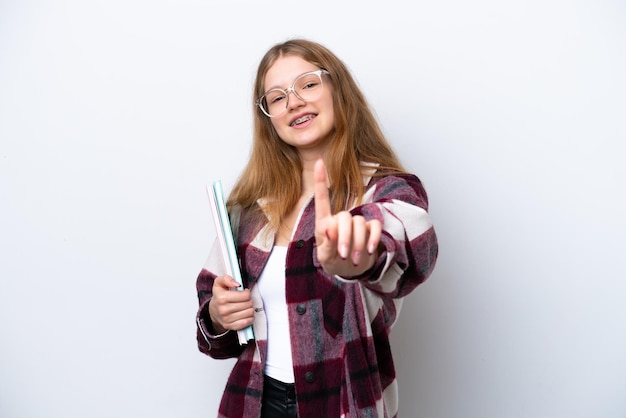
[371, 248]
[356, 257]
[343, 251]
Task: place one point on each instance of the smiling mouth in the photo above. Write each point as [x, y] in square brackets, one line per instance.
[302, 120]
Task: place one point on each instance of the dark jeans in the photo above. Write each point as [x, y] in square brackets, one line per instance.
[279, 399]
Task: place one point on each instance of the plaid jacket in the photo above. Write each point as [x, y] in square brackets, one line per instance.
[339, 326]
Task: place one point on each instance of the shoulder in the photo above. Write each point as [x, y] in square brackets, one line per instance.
[247, 222]
[406, 187]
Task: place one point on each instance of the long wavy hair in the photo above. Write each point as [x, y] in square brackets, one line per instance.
[274, 170]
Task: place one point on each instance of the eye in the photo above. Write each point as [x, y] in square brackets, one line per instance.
[309, 82]
[277, 99]
[273, 97]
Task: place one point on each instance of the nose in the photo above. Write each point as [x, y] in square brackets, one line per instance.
[293, 101]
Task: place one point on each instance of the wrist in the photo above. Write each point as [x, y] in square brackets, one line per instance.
[214, 327]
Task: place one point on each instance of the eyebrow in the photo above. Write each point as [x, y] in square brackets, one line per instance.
[294, 79]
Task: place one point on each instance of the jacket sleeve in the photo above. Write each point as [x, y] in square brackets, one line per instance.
[219, 346]
[400, 203]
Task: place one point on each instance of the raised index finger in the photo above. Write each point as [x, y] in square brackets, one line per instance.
[322, 200]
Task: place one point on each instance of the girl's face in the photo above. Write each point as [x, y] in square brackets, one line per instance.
[305, 125]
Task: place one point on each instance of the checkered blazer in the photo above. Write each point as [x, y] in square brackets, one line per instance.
[339, 326]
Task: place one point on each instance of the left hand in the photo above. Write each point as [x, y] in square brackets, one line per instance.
[346, 245]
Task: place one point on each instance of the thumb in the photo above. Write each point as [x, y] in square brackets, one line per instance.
[226, 282]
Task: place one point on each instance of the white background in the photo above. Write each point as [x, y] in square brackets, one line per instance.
[115, 114]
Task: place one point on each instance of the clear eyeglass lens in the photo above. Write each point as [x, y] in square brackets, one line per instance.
[307, 87]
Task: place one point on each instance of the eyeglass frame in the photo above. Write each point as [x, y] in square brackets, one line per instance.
[291, 89]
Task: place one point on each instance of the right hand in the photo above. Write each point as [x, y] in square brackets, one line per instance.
[229, 308]
[346, 245]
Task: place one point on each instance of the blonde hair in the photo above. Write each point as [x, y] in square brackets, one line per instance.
[274, 170]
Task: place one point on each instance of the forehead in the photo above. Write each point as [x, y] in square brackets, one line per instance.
[286, 68]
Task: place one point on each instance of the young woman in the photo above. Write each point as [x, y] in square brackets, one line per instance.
[331, 233]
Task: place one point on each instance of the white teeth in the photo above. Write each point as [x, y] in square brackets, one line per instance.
[302, 120]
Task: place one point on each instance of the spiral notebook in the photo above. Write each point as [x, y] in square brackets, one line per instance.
[227, 246]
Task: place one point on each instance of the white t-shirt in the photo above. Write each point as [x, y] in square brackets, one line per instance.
[271, 284]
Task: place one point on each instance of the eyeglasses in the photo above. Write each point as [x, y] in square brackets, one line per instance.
[307, 87]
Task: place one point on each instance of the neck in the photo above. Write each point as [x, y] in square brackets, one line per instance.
[308, 163]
